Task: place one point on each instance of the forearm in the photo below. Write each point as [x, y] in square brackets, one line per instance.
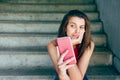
[78, 71]
[64, 77]
[53, 54]
[75, 73]
[54, 57]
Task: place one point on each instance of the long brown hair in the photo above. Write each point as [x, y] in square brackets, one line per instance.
[86, 41]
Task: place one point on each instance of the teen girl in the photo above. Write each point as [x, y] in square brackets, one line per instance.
[76, 25]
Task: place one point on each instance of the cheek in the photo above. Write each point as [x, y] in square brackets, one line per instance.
[82, 32]
[69, 32]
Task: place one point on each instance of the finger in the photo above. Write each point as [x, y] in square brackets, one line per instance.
[62, 57]
[58, 53]
[69, 66]
[68, 61]
[63, 66]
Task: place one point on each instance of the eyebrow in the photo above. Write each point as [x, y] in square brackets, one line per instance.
[72, 23]
[75, 23]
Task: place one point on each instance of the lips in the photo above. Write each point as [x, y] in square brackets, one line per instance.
[75, 35]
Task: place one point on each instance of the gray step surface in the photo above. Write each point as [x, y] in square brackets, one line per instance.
[40, 73]
[103, 73]
[32, 40]
[42, 7]
[40, 27]
[101, 56]
[49, 1]
[21, 57]
[23, 54]
[116, 62]
[40, 16]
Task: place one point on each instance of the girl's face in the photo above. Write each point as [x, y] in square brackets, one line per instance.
[75, 27]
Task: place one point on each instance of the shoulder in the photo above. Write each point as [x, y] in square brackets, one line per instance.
[51, 47]
[53, 42]
[92, 45]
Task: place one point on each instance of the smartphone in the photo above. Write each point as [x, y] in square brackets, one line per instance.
[64, 43]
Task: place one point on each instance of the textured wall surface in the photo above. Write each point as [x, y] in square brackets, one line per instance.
[110, 15]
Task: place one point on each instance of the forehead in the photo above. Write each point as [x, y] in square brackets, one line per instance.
[77, 20]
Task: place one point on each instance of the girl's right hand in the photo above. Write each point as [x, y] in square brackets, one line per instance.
[63, 65]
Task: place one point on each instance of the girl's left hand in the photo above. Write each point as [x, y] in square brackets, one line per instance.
[76, 41]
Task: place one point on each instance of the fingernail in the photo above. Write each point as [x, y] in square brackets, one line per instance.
[67, 51]
[73, 58]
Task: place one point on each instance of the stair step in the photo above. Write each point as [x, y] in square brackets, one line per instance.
[40, 27]
[33, 71]
[26, 27]
[116, 62]
[103, 73]
[32, 40]
[49, 1]
[101, 56]
[42, 7]
[40, 16]
[40, 73]
[18, 58]
[23, 59]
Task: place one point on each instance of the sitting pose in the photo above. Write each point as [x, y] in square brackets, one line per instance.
[75, 25]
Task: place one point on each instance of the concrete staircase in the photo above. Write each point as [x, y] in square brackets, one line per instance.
[26, 26]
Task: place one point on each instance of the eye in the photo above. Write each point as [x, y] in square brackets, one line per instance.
[72, 25]
[82, 27]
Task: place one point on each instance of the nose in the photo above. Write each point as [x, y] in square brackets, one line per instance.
[77, 30]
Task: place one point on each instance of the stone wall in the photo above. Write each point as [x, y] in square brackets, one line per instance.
[110, 15]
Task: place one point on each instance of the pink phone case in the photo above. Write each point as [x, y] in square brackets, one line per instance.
[64, 43]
